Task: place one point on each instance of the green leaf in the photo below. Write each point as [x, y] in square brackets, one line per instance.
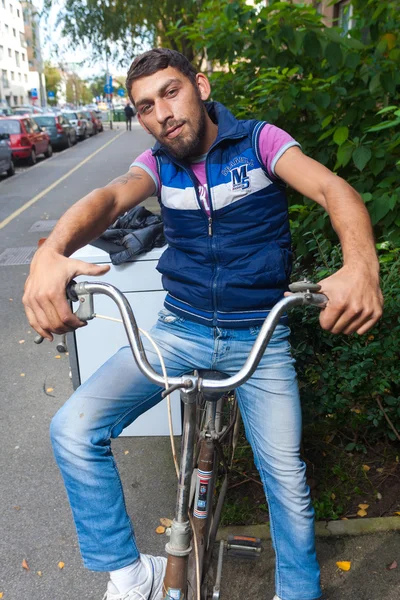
[352, 60]
[340, 136]
[326, 121]
[386, 109]
[384, 125]
[361, 156]
[344, 154]
[375, 83]
[326, 134]
[379, 208]
[333, 55]
[312, 47]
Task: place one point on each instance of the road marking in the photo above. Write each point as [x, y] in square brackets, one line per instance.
[53, 185]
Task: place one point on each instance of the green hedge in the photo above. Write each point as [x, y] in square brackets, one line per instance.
[351, 381]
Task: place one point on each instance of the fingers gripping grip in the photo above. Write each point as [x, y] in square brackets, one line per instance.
[76, 292]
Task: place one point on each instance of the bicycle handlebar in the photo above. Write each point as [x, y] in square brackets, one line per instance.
[84, 293]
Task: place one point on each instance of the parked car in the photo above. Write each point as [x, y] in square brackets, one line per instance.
[5, 111]
[62, 133]
[26, 109]
[76, 118]
[26, 137]
[6, 160]
[97, 124]
[92, 129]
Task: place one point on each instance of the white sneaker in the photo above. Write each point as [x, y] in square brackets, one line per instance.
[276, 598]
[151, 589]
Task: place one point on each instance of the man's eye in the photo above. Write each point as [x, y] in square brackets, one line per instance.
[145, 108]
[172, 93]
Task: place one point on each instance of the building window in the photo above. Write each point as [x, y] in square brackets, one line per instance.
[4, 79]
[10, 52]
[11, 9]
[26, 78]
[14, 32]
[6, 28]
[1, 52]
[12, 76]
[17, 58]
[19, 77]
[343, 12]
[3, 3]
[18, 13]
[15, 100]
[23, 57]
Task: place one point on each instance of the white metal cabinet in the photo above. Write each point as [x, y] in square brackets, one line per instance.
[94, 344]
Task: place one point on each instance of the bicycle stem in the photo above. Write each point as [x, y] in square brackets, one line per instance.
[191, 382]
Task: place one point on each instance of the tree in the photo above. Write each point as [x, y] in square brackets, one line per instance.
[338, 94]
[122, 27]
[77, 91]
[53, 80]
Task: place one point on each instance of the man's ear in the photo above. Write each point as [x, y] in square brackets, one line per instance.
[142, 124]
[203, 85]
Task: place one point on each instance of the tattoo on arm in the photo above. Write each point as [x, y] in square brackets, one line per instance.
[123, 179]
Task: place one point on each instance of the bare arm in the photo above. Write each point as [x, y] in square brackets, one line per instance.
[355, 299]
[44, 298]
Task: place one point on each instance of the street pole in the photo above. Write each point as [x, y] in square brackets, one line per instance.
[109, 96]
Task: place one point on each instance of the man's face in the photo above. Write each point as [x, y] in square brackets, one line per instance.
[171, 108]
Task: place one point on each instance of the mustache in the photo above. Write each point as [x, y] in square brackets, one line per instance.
[171, 124]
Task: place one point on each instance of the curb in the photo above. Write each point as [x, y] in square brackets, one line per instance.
[322, 528]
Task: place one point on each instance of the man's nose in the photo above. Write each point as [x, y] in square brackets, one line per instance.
[163, 111]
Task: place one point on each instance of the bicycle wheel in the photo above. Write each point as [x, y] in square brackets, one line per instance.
[216, 430]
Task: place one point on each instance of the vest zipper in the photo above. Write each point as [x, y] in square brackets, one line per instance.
[210, 226]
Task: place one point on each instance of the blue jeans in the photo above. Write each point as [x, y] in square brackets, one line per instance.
[118, 393]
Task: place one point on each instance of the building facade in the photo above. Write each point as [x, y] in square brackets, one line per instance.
[14, 66]
[35, 60]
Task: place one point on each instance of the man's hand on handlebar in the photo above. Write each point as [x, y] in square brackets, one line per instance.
[355, 300]
[45, 302]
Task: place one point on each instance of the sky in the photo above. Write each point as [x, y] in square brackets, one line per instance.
[58, 50]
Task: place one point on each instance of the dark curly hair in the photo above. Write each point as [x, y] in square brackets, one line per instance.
[156, 59]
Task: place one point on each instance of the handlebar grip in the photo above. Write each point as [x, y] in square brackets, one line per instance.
[71, 295]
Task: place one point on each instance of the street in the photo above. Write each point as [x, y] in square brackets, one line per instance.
[35, 520]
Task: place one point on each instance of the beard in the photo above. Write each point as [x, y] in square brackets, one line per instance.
[189, 144]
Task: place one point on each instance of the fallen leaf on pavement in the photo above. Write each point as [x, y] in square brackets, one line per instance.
[22, 374]
[362, 513]
[344, 565]
[61, 565]
[363, 506]
[25, 565]
[392, 566]
[21, 342]
[58, 356]
[39, 573]
[17, 507]
[166, 522]
[160, 529]
[126, 452]
[1, 594]
[50, 390]
[366, 468]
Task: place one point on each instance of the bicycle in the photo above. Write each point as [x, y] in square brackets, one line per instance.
[210, 431]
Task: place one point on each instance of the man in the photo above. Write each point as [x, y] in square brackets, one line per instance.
[129, 114]
[221, 183]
